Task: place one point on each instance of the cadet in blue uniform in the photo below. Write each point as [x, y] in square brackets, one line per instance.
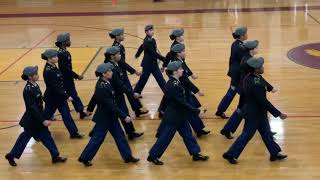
[178, 54]
[250, 49]
[106, 118]
[239, 35]
[118, 36]
[65, 66]
[256, 118]
[149, 62]
[33, 121]
[113, 56]
[55, 95]
[175, 118]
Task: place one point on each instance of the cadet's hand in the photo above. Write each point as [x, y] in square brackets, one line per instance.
[89, 113]
[138, 73]
[201, 114]
[274, 90]
[70, 98]
[137, 95]
[80, 77]
[194, 76]
[283, 116]
[46, 123]
[128, 119]
[200, 93]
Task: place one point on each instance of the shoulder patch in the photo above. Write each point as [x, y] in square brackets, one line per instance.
[256, 81]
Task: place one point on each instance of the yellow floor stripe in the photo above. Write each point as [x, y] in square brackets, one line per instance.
[80, 56]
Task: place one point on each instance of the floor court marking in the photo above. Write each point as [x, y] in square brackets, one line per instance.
[181, 11]
[19, 58]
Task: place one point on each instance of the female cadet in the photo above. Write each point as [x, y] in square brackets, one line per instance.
[250, 50]
[55, 96]
[256, 118]
[65, 66]
[113, 56]
[106, 118]
[33, 121]
[149, 62]
[178, 54]
[239, 35]
[175, 118]
[118, 36]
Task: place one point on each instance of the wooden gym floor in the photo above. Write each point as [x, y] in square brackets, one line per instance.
[28, 27]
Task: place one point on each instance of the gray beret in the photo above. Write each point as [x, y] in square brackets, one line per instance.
[178, 48]
[113, 50]
[174, 65]
[30, 70]
[255, 62]
[148, 27]
[102, 68]
[63, 37]
[251, 44]
[240, 31]
[117, 31]
[50, 53]
[177, 32]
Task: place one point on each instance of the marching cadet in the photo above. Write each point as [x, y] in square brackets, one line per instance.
[175, 118]
[113, 56]
[239, 35]
[65, 66]
[250, 50]
[33, 121]
[256, 108]
[55, 96]
[118, 36]
[106, 118]
[178, 54]
[149, 62]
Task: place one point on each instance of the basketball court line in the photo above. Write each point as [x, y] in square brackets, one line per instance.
[155, 12]
[21, 57]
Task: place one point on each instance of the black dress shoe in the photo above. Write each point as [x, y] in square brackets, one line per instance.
[202, 133]
[82, 115]
[278, 157]
[134, 135]
[132, 160]
[85, 162]
[10, 160]
[77, 136]
[227, 134]
[222, 115]
[139, 113]
[200, 157]
[155, 161]
[59, 159]
[230, 159]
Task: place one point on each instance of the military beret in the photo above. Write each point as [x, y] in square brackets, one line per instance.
[148, 27]
[178, 48]
[177, 32]
[49, 53]
[250, 44]
[102, 68]
[63, 37]
[255, 62]
[113, 50]
[30, 70]
[117, 32]
[240, 31]
[174, 65]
